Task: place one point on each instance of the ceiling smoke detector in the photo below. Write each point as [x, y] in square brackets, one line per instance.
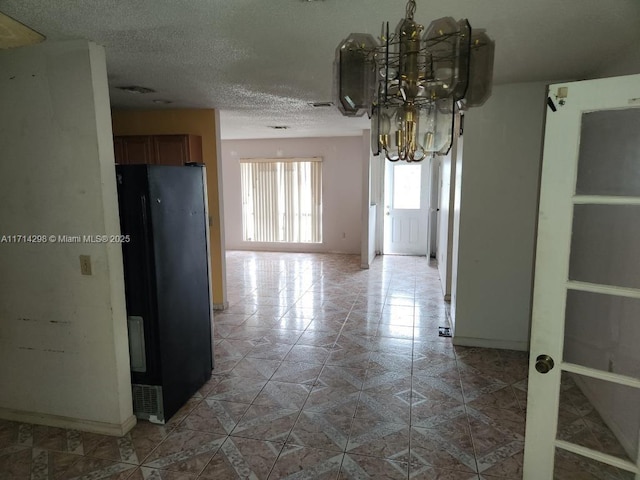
[136, 89]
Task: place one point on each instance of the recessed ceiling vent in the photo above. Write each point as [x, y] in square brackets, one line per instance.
[136, 89]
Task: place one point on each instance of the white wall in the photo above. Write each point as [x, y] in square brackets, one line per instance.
[454, 224]
[63, 342]
[342, 183]
[369, 207]
[446, 203]
[497, 217]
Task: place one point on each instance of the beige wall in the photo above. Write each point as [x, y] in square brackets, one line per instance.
[342, 183]
[64, 358]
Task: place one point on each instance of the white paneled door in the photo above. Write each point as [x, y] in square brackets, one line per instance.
[583, 410]
[406, 221]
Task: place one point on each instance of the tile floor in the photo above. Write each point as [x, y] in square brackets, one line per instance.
[325, 371]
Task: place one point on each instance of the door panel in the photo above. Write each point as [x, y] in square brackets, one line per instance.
[583, 413]
[598, 172]
[605, 246]
[406, 225]
[601, 332]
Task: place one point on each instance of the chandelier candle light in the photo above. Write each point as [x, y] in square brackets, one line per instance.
[410, 84]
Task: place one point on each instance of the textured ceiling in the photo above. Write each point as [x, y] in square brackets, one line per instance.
[260, 62]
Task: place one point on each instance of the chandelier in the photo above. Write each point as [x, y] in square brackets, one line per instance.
[411, 83]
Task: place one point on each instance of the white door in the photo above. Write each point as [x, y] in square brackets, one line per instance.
[583, 414]
[406, 221]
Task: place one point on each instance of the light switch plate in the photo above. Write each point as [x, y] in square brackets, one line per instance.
[85, 264]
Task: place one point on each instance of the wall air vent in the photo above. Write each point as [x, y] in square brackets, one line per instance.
[136, 89]
[147, 403]
[280, 127]
[321, 104]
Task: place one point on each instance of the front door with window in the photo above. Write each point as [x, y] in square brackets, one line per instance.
[583, 411]
[406, 221]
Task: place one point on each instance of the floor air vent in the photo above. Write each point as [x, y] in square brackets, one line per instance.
[147, 403]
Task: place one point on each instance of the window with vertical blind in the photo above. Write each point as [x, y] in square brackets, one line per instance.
[282, 200]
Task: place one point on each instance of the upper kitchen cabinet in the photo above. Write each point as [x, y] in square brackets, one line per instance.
[158, 149]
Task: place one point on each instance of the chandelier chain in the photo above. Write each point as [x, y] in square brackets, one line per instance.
[411, 9]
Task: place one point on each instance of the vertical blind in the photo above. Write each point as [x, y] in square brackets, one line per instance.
[282, 200]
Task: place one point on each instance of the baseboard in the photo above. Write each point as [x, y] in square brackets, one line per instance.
[491, 343]
[103, 428]
[220, 306]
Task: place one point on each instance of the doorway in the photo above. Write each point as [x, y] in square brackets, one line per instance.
[406, 212]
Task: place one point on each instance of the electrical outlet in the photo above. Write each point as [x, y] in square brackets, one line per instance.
[85, 264]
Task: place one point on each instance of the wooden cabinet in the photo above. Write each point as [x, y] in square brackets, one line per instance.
[157, 149]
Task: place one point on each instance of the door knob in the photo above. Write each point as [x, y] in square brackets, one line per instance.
[544, 363]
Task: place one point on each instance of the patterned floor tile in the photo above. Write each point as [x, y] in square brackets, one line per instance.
[569, 466]
[360, 349]
[255, 368]
[262, 422]
[387, 381]
[394, 331]
[297, 372]
[498, 437]
[423, 472]
[360, 467]
[283, 395]
[503, 398]
[476, 383]
[398, 346]
[346, 357]
[89, 468]
[337, 376]
[243, 332]
[385, 361]
[277, 336]
[242, 458]
[270, 351]
[185, 410]
[308, 354]
[10, 433]
[297, 462]
[224, 318]
[132, 447]
[214, 416]
[237, 389]
[15, 464]
[449, 447]
[185, 451]
[325, 432]
[380, 439]
[318, 338]
[146, 473]
[333, 401]
[377, 407]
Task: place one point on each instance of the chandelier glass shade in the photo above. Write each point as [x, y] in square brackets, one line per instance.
[410, 82]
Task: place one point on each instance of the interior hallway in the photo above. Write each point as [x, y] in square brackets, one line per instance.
[326, 371]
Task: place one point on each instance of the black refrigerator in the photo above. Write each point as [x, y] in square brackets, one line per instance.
[163, 214]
